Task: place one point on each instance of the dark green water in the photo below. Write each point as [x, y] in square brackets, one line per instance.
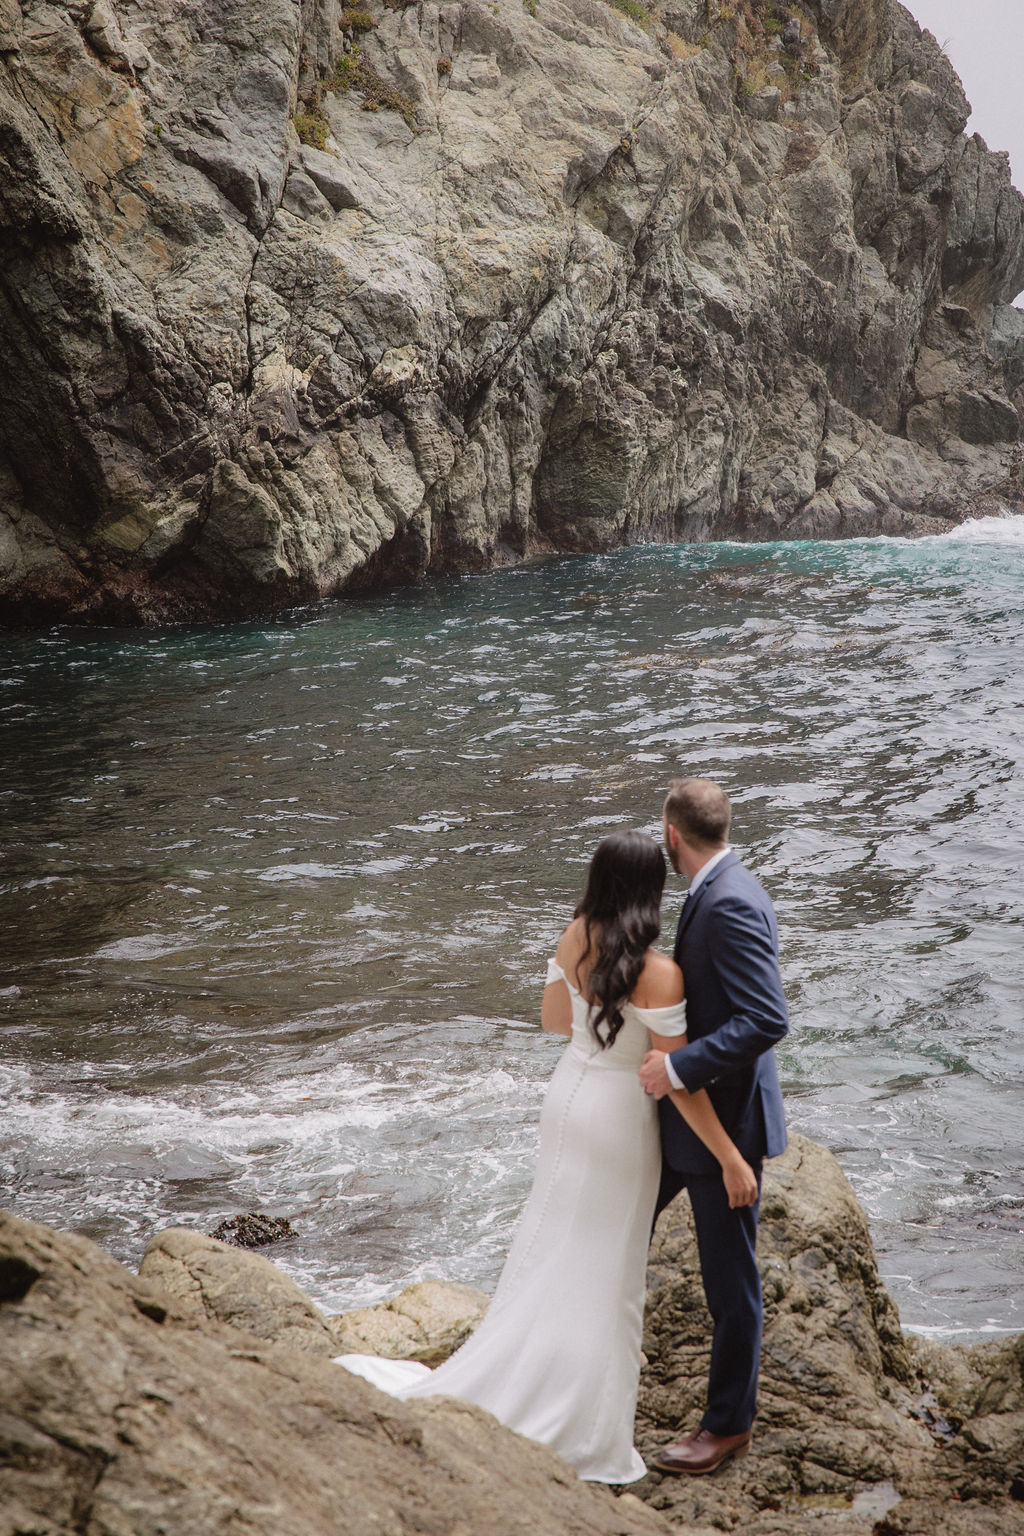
[278, 898]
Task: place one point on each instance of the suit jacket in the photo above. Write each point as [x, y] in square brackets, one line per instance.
[727, 946]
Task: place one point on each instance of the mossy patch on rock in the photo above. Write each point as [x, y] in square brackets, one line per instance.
[253, 1230]
[353, 72]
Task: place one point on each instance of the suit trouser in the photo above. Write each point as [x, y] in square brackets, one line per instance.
[726, 1242]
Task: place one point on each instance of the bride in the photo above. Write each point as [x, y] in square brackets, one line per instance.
[557, 1356]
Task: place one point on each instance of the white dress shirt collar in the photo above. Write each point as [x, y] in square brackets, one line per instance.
[705, 869]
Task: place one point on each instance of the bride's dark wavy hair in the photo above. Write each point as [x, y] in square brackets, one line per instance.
[621, 912]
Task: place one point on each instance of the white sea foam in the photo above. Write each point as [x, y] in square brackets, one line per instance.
[1007, 529]
[941, 1332]
[310, 870]
[350, 1151]
[304, 1114]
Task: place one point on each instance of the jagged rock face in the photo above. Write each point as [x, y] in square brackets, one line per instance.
[578, 284]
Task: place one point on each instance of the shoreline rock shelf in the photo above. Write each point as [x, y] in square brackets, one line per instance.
[199, 1397]
[124, 1412]
[307, 299]
[848, 1402]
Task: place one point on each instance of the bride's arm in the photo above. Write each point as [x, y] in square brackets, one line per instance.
[556, 1004]
[700, 1115]
[556, 1009]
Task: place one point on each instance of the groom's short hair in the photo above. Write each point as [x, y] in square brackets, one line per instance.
[700, 812]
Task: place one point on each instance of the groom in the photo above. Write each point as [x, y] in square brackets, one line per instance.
[728, 950]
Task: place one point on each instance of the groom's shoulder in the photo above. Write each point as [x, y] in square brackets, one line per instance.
[735, 882]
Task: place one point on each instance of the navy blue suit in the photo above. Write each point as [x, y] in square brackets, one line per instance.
[727, 947]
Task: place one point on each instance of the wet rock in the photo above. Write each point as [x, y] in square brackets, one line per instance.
[253, 1230]
[426, 1322]
[123, 1412]
[665, 284]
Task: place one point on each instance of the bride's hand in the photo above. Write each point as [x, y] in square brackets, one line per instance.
[740, 1183]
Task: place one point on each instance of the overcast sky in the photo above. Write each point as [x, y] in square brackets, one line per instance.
[985, 42]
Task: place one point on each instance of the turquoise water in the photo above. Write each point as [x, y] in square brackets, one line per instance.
[278, 897]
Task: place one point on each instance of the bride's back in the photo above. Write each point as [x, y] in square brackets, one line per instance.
[658, 989]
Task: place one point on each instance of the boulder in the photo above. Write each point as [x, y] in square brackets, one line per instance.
[860, 1427]
[211, 1279]
[215, 1280]
[125, 1412]
[427, 1322]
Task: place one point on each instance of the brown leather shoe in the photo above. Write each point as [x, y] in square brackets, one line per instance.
[702, 1452]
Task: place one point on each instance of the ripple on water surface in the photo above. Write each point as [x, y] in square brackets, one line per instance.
[279, 897]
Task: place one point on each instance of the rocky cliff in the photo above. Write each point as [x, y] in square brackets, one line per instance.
[299, 298]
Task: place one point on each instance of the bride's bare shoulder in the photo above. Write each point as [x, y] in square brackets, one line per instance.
[660, 984]
[572, 944]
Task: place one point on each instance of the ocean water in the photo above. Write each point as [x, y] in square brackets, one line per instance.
[278, 897]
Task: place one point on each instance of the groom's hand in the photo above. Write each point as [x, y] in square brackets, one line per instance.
[653, 1075]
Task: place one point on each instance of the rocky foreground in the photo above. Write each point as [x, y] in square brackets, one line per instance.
[299, 297]
[199, 1398]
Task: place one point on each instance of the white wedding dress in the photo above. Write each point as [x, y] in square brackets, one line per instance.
[557, 1356]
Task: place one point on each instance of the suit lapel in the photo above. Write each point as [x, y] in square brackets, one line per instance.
[693, 901]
